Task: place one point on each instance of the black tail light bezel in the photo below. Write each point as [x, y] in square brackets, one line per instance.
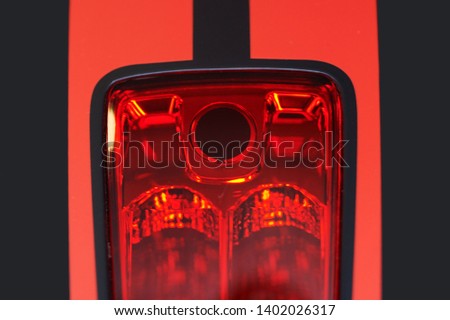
[97, 138]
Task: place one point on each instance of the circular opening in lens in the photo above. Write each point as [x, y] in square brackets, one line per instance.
[222, 132]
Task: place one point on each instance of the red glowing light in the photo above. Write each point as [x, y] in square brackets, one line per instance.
[190, 220]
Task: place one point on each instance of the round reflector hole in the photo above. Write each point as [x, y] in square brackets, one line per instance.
[222, 132]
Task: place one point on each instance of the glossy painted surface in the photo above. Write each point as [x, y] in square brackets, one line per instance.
[343, 33]
[99, 42]
[105, 35]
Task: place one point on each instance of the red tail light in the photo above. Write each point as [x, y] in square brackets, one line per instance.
[279, 227]
[224, 184]
[173, 242]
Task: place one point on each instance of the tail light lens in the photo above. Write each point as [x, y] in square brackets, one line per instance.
[223, 184]
[279, 227]
[173, 232]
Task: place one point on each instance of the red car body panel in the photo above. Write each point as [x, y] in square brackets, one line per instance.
[106, 35]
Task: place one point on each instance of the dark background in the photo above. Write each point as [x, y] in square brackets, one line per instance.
[415, 103]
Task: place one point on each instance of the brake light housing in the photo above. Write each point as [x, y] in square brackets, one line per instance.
[225, 183]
